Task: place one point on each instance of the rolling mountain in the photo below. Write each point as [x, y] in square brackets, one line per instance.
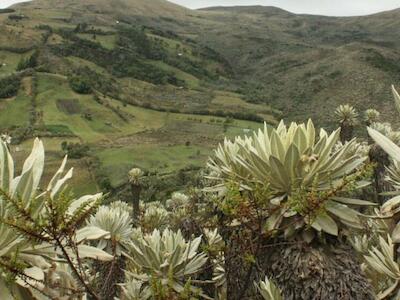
[111, 8]
[155, 85]
[306, 65]
[119, 81]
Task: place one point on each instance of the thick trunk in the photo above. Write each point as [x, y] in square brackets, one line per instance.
[110, 274]
[239, 269]
[135, 190]
[346, 132]
[190, 228]
[302, 271]
[316, 272]
[381, 159]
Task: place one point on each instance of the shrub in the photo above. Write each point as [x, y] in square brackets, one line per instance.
[43, 246]
[154, 252]
[75, 150]
[79, 84]
[30, 62]
[16, 17]
[9, 86]
[290, 184]
[6, 10]
[59, 130]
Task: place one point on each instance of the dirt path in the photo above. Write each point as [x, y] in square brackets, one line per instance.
[27, 85]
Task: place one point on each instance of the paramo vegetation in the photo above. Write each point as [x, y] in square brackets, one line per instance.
[291, 212]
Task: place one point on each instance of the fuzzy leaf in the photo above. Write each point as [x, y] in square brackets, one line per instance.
[390, 148]
[325, 223]
[86, 251]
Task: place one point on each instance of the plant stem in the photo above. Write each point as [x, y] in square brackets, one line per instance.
[79, 277]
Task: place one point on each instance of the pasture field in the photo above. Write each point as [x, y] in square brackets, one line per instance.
[152, 140]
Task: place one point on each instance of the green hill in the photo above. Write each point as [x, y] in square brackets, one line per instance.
[135, 94]
[307, 65]
[155, 85]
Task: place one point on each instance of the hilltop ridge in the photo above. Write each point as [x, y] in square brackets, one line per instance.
[133, 77]
[115, 7]
[256, 9]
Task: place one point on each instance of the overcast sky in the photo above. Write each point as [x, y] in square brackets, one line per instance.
[6, 3]
[320, 7]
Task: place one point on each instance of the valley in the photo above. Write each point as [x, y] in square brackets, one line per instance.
[153, 152]
[159, 91]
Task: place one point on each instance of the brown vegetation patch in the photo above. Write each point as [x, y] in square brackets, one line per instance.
[69, 106]
[27, 85]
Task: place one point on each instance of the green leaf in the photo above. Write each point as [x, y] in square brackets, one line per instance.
[391, 206]
[273, 220]
[325, 223]
[86, 251]
[5, 292]
[279, 174]
[91, 233]
[310, 133]
[343, 212]
[6, 167]
[386, 144]
[308, 235]
[291, 160]
[277, 148]
[350, 201]
[268, 290]
[300, 139]
[396, 98]
[396, 234]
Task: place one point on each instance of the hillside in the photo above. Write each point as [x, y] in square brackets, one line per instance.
[110, 9]
[141, 156]
[154, 85]
[135, 94]
[306, 65]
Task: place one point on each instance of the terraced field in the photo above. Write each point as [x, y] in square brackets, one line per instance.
[163, 107]
[152, 140]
